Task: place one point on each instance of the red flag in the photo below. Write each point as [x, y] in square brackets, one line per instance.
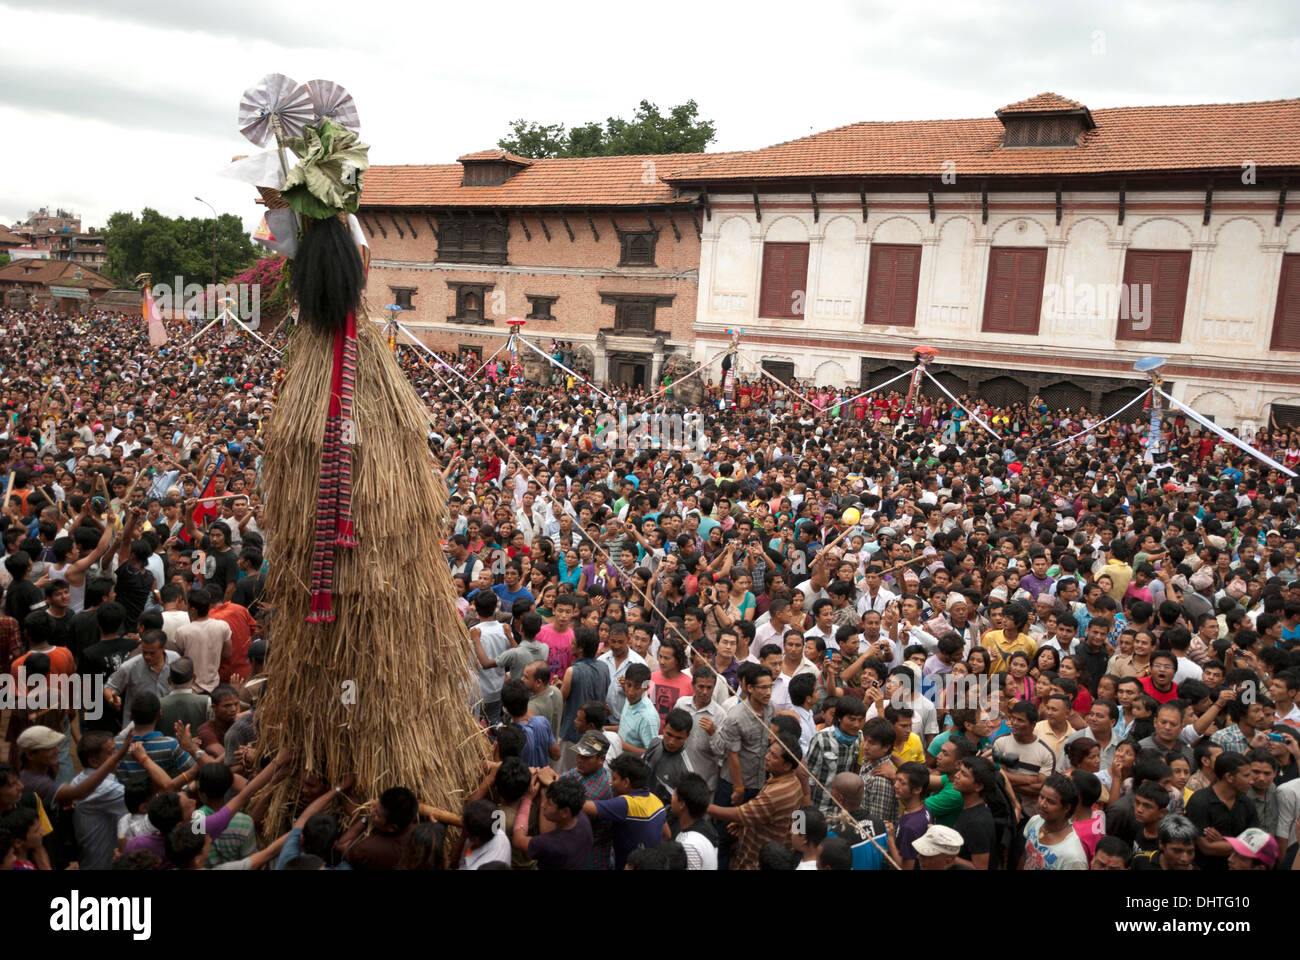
[209, 508]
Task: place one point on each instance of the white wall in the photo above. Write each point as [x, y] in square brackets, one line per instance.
[1228, 320]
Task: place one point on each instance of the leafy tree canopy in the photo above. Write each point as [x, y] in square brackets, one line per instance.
[168, 247]
[649, 131]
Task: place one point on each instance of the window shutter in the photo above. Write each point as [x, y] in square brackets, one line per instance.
[1286, 321]
[785, 271]
[1166, 273]
[892, 281]
[1013, 301]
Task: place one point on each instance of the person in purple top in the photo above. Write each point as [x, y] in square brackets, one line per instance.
[1037, 581]
[166, 810]
[910, 787]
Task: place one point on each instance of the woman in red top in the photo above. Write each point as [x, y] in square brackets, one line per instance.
[1073, 668]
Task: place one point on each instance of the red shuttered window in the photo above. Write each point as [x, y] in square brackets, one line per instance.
[1013, 300]
[1286, 321]
[892, 281]
[1153, 295]
[785, 280]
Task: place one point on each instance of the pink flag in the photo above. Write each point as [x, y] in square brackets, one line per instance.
[157, 332]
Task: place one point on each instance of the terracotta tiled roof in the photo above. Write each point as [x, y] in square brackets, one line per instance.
[1042, 103]
[584, 181]
[7, 238]
[61, 273]
[497, 154]
[1126, 139]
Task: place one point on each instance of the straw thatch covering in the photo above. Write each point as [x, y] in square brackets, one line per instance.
[385, 691]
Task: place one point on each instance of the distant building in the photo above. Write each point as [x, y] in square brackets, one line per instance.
[44, 221]
[9, 240]
[1016, 244]
[50, 284]
[597, 251]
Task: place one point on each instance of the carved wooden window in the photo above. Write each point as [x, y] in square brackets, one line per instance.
[465, 240]
[637, 247]
[470, 303]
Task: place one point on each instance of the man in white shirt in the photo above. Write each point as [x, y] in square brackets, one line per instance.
[1180, 642]
[900, 690]
[773, 631]
[618, 658]
[793, 663]
[875, 597]
[704, 747]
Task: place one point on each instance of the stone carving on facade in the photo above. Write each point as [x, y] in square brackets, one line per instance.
[689, 392]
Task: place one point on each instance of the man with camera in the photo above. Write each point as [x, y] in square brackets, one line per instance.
[1027, 760]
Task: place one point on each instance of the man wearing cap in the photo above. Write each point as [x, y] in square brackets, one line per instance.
[1252, 849]
[182, 704]
[39, 747]
[593, 776]
[937, 848]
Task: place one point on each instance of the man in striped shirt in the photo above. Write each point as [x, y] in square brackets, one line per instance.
[163, 750]
[767, 817]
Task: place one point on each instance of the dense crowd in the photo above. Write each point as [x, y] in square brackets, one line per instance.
[820, 632]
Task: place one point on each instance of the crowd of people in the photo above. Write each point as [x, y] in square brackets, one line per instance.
[823, 635]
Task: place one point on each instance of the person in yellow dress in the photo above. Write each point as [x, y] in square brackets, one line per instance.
[1001, 644]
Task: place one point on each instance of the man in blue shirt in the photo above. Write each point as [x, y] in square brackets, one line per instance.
[637, 814]
[513, 589]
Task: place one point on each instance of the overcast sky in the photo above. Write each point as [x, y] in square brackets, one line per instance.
[131, 103]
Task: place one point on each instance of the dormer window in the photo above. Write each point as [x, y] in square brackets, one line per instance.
[1047, 120]
[490, 168]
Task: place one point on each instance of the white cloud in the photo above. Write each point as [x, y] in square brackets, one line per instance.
[138, 108]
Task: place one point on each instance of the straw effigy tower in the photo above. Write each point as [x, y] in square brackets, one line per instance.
[383, 690]
[367, 658]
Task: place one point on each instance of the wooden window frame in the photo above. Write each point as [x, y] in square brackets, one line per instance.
[875, 278]
[1290, 272]
[459, 291]
[1123, 327]
[990, 292]
[453, 246]
[626, 239]
[788, 311]
[621, 303]
[546, 302]
[408, 292]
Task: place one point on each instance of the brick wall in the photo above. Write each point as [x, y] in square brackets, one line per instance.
[575, 271]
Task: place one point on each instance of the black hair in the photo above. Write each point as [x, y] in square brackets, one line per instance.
[512, 779]
[836, 854]
[326, 276]
[692, 790]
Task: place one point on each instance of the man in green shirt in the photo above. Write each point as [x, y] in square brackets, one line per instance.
[944, 802]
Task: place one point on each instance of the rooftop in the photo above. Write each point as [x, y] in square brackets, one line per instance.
[569, 182]
[1190, 138]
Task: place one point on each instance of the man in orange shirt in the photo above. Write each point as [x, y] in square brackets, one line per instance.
[242, 626]
[39, 627]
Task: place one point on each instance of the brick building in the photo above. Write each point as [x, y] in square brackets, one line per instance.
[50, 284]
[598, 251]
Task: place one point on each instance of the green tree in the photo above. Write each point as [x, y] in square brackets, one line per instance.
[649, 131]
[4, 258]
[168, 247]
